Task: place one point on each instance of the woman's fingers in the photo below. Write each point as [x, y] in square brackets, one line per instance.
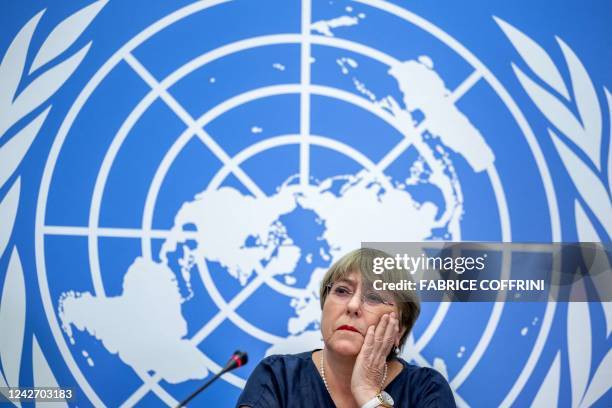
[379, 339]
[385, 335]
[368, 342]
[379, 336]
[391, 333]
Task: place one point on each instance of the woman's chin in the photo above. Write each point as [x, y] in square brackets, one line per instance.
[346, 347]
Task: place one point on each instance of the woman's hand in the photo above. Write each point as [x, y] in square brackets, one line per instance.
[370, 364]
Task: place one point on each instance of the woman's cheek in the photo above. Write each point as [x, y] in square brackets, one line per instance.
[325, 327]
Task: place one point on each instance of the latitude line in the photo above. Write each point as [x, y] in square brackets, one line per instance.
[107, 232]
[305, 94]
[191, 123]
[406, 141]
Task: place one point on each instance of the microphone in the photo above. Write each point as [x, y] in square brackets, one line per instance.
[238, 359]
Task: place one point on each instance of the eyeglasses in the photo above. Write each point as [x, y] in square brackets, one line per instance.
[340, 293]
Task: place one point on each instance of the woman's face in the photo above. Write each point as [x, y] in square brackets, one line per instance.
[345, 320]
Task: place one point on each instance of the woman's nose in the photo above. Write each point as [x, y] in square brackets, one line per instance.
[354, 303]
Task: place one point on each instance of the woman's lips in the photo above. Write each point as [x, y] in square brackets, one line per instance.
[349, 328]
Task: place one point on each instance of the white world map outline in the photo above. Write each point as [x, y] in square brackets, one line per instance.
[197, 126]
[202, 5]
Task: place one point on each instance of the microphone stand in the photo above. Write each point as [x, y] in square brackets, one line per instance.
[238, 359]
[199, 390]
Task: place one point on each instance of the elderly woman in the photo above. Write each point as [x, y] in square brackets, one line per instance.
[363, 331]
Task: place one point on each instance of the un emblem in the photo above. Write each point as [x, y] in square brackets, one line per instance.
[213, 168]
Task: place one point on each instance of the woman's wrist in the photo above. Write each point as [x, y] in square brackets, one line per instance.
[363, 395]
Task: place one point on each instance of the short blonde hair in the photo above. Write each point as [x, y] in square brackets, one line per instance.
[362, 260]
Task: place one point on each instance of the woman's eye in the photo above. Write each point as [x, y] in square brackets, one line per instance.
[342, 291]
[373, 298]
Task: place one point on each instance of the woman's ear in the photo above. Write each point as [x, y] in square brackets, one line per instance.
[400, 334]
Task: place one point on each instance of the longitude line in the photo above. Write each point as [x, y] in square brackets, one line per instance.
[305, 93]
[191, 123]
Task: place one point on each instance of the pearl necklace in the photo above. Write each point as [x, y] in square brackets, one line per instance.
[325, 380]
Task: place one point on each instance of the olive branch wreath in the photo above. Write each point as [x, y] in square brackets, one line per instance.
[46, 74]
[580, 151]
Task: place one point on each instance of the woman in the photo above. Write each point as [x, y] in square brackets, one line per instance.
[363, 331]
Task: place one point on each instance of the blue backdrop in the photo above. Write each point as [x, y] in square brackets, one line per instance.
[176, 177]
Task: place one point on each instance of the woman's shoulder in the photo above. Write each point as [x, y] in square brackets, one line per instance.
[424, 386]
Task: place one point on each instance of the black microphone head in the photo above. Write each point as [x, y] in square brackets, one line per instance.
[238, 359]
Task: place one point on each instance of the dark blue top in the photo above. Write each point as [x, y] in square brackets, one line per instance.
[293, 381]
